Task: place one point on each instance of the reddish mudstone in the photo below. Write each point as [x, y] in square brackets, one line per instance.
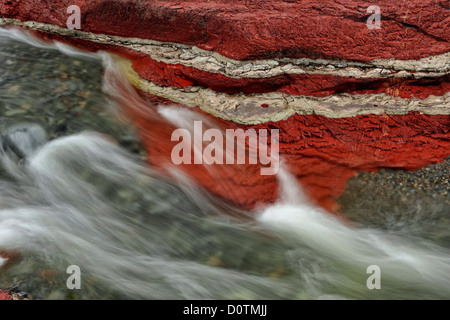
[4, 295]
[322, 152]
[179, 76]
[262, 28]
[9, 256]
[331, 29]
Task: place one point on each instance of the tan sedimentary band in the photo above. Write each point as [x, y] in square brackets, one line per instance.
[191, 56]
[247, 109]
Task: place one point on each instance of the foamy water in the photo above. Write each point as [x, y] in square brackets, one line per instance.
[137, 233]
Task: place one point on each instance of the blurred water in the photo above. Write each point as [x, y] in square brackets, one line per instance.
[79, 197]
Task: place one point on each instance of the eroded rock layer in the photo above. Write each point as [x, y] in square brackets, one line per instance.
[345, 97]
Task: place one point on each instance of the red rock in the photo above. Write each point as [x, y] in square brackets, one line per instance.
[297, 84]
[5, 296]
[294, 84]
[410, 129]
[9, 256]
[262, 28]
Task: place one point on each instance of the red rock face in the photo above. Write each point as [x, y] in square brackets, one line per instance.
[262, 29]
[8, 256]
[344, 97]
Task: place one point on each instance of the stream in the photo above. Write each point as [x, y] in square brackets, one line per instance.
[75, 189]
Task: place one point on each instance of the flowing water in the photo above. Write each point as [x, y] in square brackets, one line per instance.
[75, 189]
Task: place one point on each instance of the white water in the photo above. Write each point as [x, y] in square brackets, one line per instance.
[58, 204]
